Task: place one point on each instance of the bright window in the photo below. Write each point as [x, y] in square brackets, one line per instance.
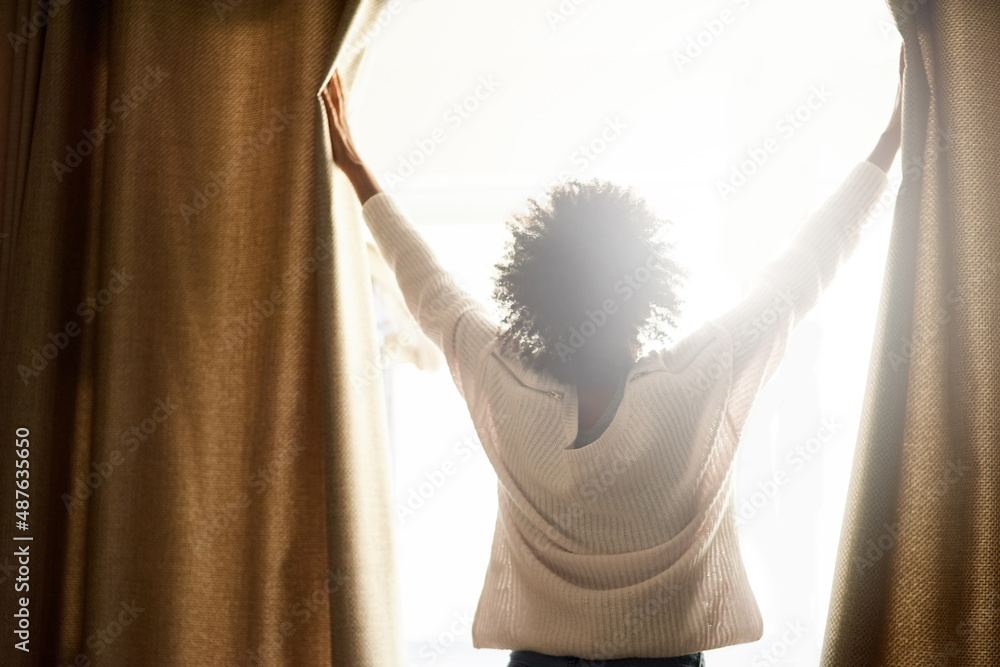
[777, 100]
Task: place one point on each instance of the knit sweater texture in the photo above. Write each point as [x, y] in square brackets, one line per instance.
[627, 546]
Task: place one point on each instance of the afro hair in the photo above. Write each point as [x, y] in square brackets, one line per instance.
[585, 276]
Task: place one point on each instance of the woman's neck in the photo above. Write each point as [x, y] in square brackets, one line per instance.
[602, 373]
[596, 393]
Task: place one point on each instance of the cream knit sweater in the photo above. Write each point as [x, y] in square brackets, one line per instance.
[626, 547]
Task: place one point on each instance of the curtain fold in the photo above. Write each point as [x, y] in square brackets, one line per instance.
[181, 319]
[918, 570]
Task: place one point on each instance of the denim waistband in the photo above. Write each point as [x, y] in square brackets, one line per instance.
[535, 659]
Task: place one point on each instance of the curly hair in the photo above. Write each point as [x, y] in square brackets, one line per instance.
[584, 277]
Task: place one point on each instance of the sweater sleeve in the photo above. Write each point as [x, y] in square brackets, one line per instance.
[457, 323]
[760, 325]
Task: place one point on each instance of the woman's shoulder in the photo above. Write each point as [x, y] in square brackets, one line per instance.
[507, 367]
[687, 350]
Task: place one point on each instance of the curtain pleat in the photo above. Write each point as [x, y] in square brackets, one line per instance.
[19, 66]
[181, 317]
[918, 569]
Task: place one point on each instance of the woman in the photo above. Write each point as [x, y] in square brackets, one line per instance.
[615, 538]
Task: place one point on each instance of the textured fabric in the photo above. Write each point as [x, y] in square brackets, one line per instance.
[918, 570]
[182, 322]
[626, 547]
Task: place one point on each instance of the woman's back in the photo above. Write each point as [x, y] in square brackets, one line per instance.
[588, 539]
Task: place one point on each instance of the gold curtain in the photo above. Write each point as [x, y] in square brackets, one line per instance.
[184, 302]
[918, 570]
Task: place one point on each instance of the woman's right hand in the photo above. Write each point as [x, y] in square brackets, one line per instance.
[896, 121]
[888, 144]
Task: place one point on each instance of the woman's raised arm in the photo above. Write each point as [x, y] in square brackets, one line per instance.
[760, 325]
[457, 323]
